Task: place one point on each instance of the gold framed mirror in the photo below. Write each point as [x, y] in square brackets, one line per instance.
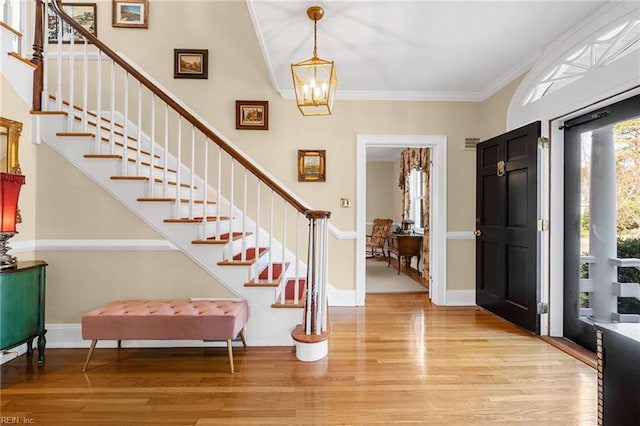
[10, 131]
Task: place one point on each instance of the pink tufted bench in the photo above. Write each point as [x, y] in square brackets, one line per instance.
[166, 320]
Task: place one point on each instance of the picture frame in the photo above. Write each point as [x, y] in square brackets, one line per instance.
[130, 14]
[191, 63]
[84, 13]
[252, 115]
[311, 165]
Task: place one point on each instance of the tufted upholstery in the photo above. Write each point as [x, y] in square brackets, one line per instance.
[166, 320]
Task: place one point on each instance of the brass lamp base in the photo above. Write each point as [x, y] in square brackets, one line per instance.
[6, 261]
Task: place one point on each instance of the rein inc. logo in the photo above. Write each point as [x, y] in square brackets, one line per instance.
[16, 420]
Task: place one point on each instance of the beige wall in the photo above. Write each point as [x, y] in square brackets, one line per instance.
[12, 107]
[237, 71]
[383, 194]
[493, 112]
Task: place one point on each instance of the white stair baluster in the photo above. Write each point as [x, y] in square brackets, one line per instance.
[244, 214]
[125, 151]
[257, 229]
[71, 117]
[152, 146]
[192, 173]
[165, 183]
[112, 92]
[59, 68]
[98, 138]
[179, 169]
[218, 190]
[139, 137]
[85, 89]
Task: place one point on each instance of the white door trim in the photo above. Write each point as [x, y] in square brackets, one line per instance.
[438, 199]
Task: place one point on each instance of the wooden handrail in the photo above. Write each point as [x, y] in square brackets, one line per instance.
[56, 4]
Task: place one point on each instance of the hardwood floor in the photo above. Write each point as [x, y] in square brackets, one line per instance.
[397, 360]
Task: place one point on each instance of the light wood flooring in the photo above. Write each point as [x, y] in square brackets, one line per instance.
[397, 360]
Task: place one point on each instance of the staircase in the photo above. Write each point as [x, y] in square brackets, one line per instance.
[191, 185]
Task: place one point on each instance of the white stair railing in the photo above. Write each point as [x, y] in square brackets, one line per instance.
[124, 110]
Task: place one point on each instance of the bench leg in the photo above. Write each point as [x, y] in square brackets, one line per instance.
[244, 341]
[89, 355]
[230, 350]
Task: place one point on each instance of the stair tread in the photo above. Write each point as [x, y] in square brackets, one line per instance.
[195, 219]
[131, 160]
[172, 200]
[47, 112]
[250, 253]
[289, 293]
[11, 29]
[129, 147]
[277, 271]
[22, 59]
[250, 257]
[106, 129]
[76, 134]
[146, 178]
[224, 238]
[91, 113]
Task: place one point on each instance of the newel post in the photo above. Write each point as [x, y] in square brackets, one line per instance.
[312, 335]
[37, 59]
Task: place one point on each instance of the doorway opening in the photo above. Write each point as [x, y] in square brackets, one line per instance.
[437, 145]
[602, 219]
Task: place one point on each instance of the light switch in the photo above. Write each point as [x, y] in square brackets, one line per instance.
[345, 203]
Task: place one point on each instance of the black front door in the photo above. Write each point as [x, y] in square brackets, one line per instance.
[507, 278]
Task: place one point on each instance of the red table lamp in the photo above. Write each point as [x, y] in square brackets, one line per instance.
[9, 191]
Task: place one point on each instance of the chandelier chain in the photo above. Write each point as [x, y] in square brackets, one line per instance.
[315, 38]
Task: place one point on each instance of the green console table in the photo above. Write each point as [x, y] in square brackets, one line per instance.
[22, 292]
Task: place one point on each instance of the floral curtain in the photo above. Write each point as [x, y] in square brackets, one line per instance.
[417, 159]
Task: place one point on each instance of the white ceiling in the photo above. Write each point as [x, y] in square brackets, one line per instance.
[414, 50]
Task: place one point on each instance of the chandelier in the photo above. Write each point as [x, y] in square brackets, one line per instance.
[314, 80]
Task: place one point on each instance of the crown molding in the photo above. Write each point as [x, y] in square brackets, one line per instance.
[346, 95]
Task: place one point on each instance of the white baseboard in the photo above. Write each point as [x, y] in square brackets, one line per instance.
[12, 353]
[460, 298]
[341, 297]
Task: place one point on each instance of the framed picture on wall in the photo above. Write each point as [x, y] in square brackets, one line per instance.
[83, 13]
[130, 14]
[252, 115]
[190, 63]
[311, 165]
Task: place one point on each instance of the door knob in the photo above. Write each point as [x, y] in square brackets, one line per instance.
[477, 232]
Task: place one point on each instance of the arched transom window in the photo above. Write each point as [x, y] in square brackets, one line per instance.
[608, 46]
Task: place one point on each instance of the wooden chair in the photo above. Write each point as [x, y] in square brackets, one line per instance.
[375, 241]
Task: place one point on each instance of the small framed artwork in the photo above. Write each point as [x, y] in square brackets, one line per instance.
[252, 115]
[311, 166]
[130, 14]
[83, 13]
[190, 63]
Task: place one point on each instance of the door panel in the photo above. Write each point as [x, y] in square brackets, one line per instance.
[516, 269]
[516, 198]
[507, 281]
[517, 149]
[490, 194]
